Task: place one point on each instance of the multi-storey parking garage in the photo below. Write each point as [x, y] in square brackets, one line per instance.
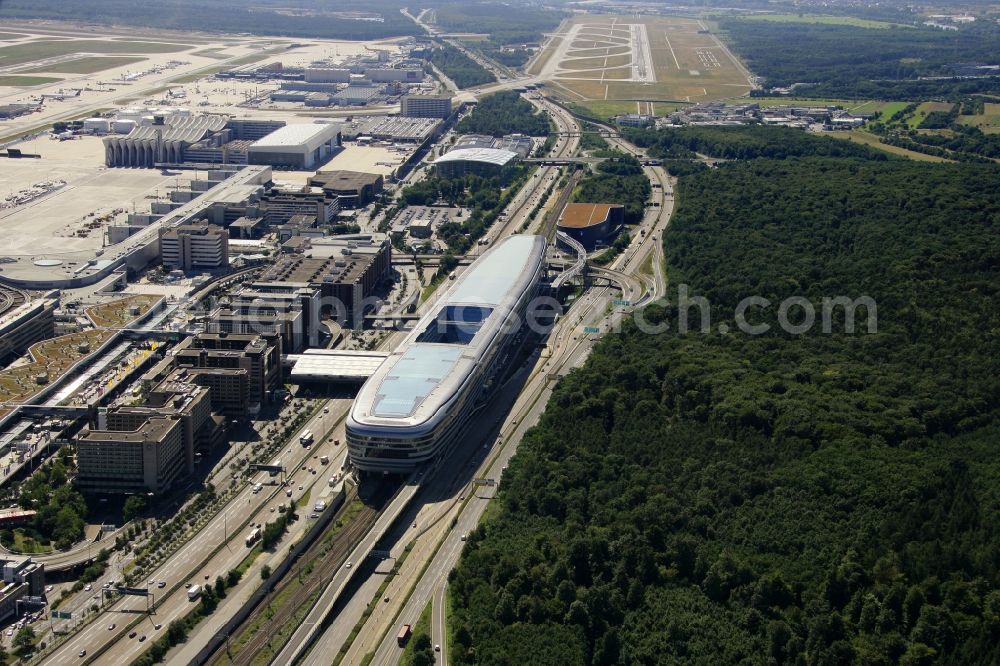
[410, 410]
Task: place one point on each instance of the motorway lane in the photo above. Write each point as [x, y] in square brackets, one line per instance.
[567, 351]
[454, 474]
[227, 523]
[439, 624]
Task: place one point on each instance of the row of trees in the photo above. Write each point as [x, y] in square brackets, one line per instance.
[804, 499]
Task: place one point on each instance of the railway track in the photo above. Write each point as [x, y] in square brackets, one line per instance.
[324, 564]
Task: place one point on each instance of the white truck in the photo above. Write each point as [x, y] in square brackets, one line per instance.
[194, 592]
[320, 505]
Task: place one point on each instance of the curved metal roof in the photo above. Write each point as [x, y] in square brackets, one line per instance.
[485, 155]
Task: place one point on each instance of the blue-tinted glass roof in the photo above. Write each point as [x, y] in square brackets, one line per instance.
[413, 377]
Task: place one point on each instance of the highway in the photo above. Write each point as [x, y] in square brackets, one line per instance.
[215, 549]
[568, 348]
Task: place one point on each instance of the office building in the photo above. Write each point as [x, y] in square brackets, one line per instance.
[291, 313]
[345, 270]
[148, 458]
[23, 321]
[425, 106]
[355, 189]
[280, 205]
[23, 586]
[194, 247]
[241, 370]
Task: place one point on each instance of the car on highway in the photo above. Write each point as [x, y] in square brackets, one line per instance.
[111, 627]
[88, 587]
[464, 536]
[348, 565]
[142, 638]
[157, 627]
[162, 584]
[437, 648]
[83, 653]
[132, 634]
[106, 586]
[288, 493]
[48, 588]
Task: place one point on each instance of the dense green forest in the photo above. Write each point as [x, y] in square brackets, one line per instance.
[315, 18]
[505, 113]
[618, 179]
[852, 62]
[458, 67]
[504, 23]
[772, 499]
[744, 143]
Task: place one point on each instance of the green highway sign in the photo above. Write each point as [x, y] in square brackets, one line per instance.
[622, 301]
[62, 615]
[591, 329]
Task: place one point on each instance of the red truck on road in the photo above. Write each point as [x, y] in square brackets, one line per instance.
[404, 634]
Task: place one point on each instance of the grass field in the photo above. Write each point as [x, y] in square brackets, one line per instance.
[10, 35]
[211, 53]
[17, 81]
[597, 62]
[830, 20]
[859, 136]
[689, 64]
[27, 52]
[609, 109]
[88, 65]
[924, 109]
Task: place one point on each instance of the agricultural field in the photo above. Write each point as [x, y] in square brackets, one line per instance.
[87, 65]
[24, 81]
[869, 139]
[988, 122]
[616, 58]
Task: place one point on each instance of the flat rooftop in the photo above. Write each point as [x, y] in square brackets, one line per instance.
[582, 215]
[344, 180]
[299, 134]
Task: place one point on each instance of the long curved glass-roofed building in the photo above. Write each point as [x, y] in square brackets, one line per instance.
[410, 410]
